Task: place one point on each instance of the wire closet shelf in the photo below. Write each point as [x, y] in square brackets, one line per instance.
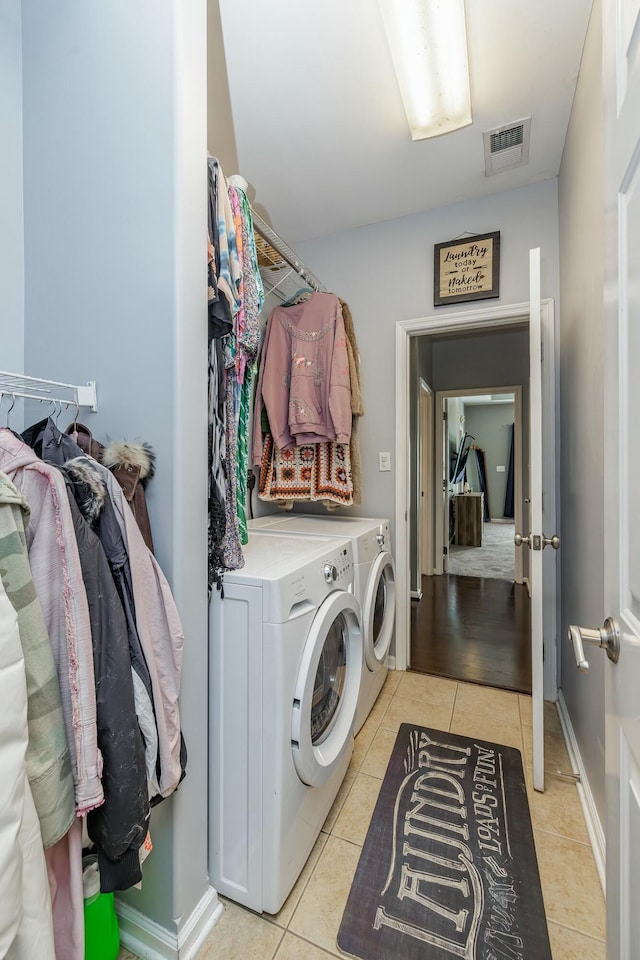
[51, 391]
[281, 269]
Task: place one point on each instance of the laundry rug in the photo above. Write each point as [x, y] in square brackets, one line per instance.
[448, 868]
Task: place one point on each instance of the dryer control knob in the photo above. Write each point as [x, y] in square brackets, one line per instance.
[330, 572]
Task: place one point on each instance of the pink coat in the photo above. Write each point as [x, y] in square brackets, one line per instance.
[57, 578]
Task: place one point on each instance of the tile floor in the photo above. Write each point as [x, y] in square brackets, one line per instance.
[307, 925]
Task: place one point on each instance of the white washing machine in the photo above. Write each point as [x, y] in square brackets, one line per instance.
[374, 587]
[285, 665]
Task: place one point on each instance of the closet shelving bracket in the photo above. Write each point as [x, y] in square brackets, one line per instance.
[53, 391]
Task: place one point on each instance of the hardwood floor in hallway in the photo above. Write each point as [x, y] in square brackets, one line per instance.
[473, 629]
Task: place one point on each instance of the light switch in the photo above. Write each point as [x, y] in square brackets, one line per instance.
[384, 460]
[499, 469]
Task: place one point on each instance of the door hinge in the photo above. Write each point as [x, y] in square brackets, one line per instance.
[445, 551]
[445, 416]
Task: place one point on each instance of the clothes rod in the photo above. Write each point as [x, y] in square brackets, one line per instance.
[50, 391]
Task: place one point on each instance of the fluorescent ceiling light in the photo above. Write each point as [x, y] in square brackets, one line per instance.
[428, 42]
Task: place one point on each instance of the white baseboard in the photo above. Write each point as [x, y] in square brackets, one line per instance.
[148, 940]
[592, 819]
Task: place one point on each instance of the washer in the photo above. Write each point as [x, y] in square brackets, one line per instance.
[285, 665]
[374, 587]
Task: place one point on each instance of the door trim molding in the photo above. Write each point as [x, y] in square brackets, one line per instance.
[489, 318]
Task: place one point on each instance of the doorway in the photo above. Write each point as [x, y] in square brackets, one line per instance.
[479, 455]
[455, 608]
[470, 618]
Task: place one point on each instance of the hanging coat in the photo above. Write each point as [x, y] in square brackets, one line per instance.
[57, 577]
[91, 494]
[120, 825]
[160, 631]
[26, 927]
[48, 761]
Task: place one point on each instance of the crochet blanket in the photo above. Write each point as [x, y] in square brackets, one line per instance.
[317, 471]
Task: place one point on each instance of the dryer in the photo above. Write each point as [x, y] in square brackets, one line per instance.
[285, 665]
[374, 587]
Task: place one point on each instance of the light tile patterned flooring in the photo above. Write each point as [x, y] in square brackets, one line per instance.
[307, 925]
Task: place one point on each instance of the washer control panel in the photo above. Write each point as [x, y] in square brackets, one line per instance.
[339, 567]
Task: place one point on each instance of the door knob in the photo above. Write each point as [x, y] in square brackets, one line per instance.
[607, 637]
[519, 540]
[553, 541]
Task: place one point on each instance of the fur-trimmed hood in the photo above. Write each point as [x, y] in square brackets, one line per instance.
[139, 456]
[90, 490]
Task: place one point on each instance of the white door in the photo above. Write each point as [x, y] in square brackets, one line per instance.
[444, 516]
[425, 507]
[621, 29]
[541, 562]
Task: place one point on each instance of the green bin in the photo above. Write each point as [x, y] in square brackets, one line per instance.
[101, 936]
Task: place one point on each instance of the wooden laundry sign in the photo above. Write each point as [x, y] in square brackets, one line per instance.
[467, 269]
[448, 868]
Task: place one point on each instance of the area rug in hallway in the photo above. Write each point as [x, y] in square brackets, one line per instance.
[495, 559]
[448, 868]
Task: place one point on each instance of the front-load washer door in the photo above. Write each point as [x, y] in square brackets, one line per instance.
[379, 610]
[326, 693]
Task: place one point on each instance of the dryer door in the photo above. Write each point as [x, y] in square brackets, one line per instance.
[379, 610]
[326, 694]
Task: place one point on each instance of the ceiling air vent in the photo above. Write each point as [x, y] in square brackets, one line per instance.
[506, 146]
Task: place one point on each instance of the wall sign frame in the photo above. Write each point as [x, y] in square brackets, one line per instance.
[467, 269]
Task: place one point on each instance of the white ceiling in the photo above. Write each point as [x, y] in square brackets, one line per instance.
[320, 129]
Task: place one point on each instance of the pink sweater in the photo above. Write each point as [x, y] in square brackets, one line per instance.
[305, 382]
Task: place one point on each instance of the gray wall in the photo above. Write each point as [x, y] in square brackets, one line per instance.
[581, 403]
[11, 215]
[385, 273]
[490, 424]
[115, 216]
